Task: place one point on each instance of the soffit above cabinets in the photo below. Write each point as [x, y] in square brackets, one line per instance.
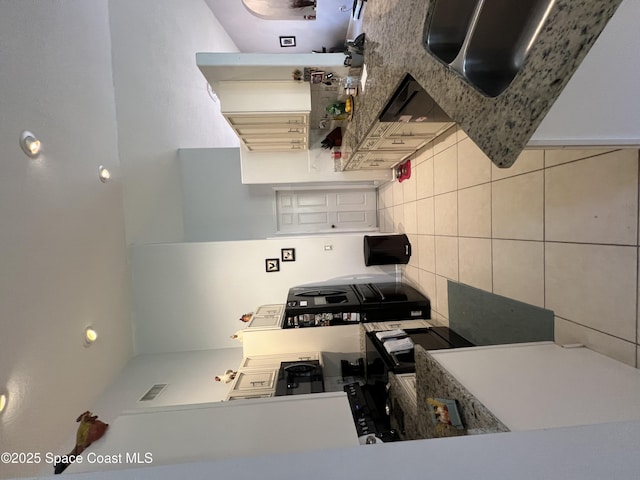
[224, 66]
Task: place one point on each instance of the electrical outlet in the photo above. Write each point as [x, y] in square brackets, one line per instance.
[328, 248]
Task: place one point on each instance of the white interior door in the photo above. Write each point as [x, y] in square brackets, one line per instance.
[321, 211]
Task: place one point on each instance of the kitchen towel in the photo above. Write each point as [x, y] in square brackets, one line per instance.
[397, 333]
[399, 345]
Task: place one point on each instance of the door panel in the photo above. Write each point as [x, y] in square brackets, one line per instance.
[316, 211]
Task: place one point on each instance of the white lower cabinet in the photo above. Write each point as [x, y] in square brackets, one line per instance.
[253, 384]
[389, 143]
[267, 317]
[265, 361]
[257, 375]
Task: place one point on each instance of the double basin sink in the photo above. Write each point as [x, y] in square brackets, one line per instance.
[485, 41]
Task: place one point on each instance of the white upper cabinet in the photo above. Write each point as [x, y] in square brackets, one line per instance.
[267, 116]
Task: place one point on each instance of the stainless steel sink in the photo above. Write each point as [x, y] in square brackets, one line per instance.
[485, 41]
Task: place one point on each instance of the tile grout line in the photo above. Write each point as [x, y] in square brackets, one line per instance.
[491, 253]
[637, 264]
[575, 322]
[544, 231]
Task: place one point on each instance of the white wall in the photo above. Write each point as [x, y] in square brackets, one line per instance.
[162, 104]
[63, 257]
[328, 30]
[216, 206]
[190, 379]
[600, 105]
[190, 296]
[189, 375]
[314, 165]
[229, 430]
[591, 452]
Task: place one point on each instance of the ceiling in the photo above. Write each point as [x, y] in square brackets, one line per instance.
[256, 35]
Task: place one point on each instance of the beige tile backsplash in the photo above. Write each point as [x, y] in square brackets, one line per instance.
[559, 229]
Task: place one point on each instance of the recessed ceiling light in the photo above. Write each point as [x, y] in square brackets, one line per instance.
[30, 144]
[90, 336]
[103, 174]
[3, 402]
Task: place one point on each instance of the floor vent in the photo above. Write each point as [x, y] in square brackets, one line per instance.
[153, 392]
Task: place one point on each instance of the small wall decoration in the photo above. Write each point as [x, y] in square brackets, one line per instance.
[287, 41]
[288, 254]
[272, 265]
[89, 430]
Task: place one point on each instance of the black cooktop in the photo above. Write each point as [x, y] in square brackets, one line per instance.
[300, 377]
[433, 338]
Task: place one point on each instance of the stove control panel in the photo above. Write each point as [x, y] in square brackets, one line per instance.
[362, 415]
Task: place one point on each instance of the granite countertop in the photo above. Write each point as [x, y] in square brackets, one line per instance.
[501, 126]
[434, 381]
[410, 411]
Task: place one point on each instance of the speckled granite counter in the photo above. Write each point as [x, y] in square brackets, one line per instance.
[410, 414]
[501, 125]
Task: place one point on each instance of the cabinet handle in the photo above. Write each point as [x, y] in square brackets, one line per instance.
[257, 382]
[398, 142]
[304, 358]
[296, 147]
[295, 130]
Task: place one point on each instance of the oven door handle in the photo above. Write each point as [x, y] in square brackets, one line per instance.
[377, 292]
[361, 297]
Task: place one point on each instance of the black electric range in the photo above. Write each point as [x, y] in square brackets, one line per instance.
[327, 305]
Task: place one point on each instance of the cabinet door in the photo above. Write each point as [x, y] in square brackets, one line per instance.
[263, 322]
[248, 396]
[280, 130]
[266, 118]
[369, 143]
[379, 129]
[355, 160]
[274, 309]
[377, 165]
[289, 139]
[418, 129]
[274, 361]
[401, 143]
[388, 155]
[248, 381]
[275, 147]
